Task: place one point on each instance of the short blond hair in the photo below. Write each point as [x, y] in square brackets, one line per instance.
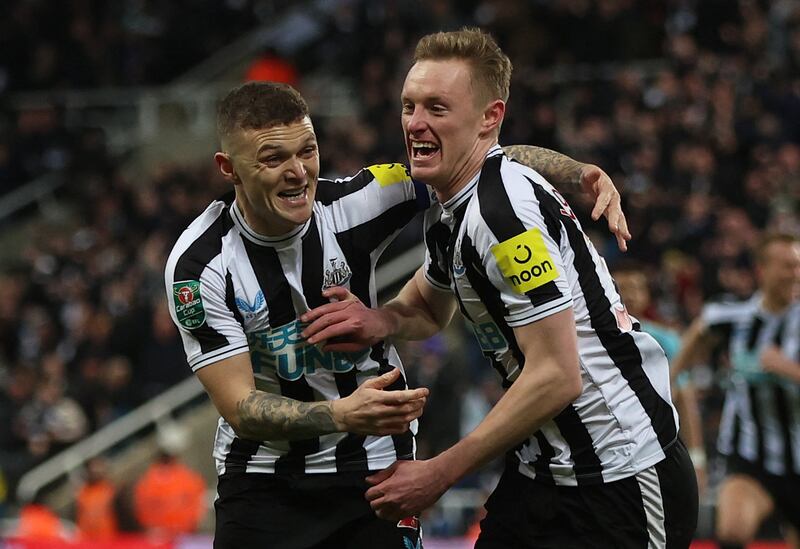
[768, 239]
[491, 68]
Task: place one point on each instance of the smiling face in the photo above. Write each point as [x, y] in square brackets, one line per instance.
[447, 129]
[275, 173]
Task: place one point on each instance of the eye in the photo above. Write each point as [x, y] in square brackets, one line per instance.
[309, 151]
[272, 161]
[438, 109]
[408, 108]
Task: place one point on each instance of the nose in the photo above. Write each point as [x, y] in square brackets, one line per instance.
[296, 169]
[416, 121]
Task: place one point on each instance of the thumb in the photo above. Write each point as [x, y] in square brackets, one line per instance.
[384, 380]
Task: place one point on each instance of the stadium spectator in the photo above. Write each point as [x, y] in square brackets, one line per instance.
[39, 523]
[270, 67]
[170, 498]
[96, 516]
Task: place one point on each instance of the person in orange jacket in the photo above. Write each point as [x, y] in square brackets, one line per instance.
[96, 515]
[38, 522]
[169, 499]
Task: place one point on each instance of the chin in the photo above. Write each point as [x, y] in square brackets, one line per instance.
[426, 174]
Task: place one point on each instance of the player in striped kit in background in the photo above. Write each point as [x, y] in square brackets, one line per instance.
[595, 460]
[759, 433]
[300, 428]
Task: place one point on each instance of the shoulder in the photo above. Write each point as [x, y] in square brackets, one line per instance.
[727, 308]
[201, 241]
[377, 175]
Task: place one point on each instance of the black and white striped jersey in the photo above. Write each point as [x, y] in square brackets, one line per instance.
[761, 414]
[233, 291]
[511, 249]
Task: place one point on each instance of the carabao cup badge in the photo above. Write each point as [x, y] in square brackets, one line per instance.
[188, 304]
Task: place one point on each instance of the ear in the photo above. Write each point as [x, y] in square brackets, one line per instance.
[225, 165]
[493, 116]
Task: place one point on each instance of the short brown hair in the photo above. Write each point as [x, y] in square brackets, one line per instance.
[491, 68]
[770, 238]
[258, 105]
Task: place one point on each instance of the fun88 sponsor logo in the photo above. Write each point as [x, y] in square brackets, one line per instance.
[284, 351]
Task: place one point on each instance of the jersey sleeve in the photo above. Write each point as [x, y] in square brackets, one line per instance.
[197, 298]
[374, 205]
[521, 246]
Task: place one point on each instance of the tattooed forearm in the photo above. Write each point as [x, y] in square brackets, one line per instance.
[560, 170]
[264, 416]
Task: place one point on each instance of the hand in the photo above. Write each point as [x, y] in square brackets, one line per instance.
[773, 360]
[406, 488]
[597, 183]
[369, 410]
[353, 325]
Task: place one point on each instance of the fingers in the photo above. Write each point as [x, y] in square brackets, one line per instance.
[619, 226]
[338, 293]
[601, 205]
[377, 478]
[383, 380]
[323, 310]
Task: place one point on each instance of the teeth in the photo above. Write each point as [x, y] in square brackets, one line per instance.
[423, 145]
[293, 195]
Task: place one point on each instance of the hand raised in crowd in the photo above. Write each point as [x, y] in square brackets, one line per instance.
[372, 410]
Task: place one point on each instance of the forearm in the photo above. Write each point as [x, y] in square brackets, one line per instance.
[788, 369]
[692, 346]
[560, 170]
[418, 311]
[265, 416]
[525, 407]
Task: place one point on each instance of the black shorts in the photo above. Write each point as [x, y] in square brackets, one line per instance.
[783, 489]
[654, 508]
[326, 511]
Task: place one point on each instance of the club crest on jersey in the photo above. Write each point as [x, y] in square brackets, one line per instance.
[458, 264]
[337, 275]
[189, 309]
[525, 262]
[249, 310]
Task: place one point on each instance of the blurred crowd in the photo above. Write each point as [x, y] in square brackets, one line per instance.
[692, 106]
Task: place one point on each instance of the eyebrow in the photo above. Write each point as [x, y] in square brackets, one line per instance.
[269, 147]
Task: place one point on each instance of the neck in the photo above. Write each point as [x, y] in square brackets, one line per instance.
[467, 171]
[774, 303]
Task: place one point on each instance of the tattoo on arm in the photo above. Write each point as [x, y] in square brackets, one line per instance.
[560, 170]
[264, 416]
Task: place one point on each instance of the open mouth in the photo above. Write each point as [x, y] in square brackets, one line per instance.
[294, 195]
[421, 150]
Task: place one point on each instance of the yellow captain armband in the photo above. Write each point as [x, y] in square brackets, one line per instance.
[389, 174]
[525, 262]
